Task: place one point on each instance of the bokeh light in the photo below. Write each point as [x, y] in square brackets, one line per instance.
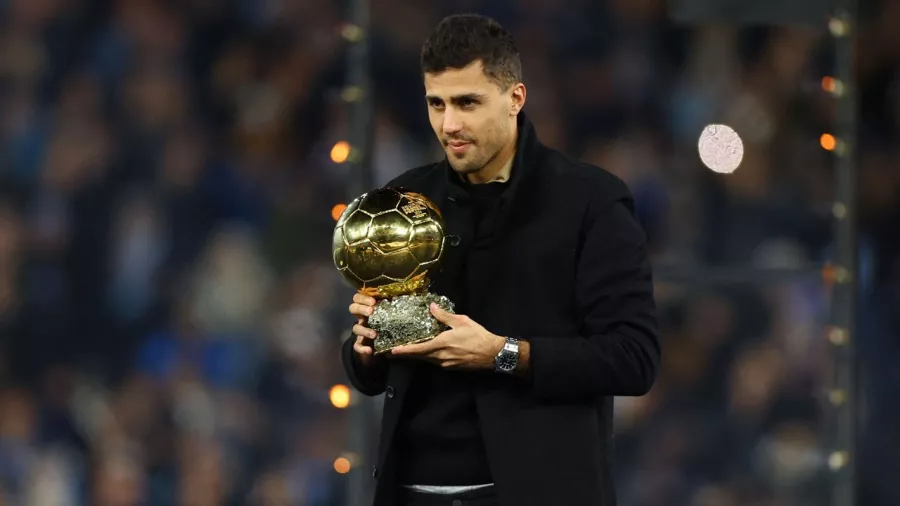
[721, 148]
[340, 152]
[340, 396]
[337, 211]
[342, 465]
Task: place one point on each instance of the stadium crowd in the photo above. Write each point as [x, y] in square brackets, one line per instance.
[171, 318]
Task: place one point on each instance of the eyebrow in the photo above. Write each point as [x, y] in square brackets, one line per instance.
[457, 99]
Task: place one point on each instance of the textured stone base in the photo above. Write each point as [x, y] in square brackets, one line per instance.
[406, 319]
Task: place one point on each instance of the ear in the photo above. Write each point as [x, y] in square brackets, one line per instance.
[517, 94]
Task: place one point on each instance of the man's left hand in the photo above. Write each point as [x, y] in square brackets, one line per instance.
[467, 345]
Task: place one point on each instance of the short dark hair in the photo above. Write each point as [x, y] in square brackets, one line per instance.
[461, 39]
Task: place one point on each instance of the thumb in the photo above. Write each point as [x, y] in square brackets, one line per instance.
[445, 317]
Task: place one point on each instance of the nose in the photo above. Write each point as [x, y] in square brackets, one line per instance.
[452, 124]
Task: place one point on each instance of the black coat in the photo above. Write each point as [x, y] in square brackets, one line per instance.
[570, 274]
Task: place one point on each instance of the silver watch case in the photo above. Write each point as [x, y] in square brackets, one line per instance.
[508, 358]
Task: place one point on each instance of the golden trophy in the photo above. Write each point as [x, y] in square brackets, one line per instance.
[385, 244]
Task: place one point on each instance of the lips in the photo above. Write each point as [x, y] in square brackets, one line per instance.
[459, 146]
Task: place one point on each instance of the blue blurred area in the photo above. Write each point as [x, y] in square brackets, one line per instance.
[170, 318]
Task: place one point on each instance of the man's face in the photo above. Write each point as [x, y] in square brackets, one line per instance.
[471, 116]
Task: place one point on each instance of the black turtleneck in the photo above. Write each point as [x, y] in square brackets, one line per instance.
[439, 441]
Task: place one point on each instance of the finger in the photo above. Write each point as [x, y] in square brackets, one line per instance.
[364, 345]
[357, 309]
[365, 342]
[424, 348]
[364, 332]
[445, 317]
[363, 299]
[363, 349]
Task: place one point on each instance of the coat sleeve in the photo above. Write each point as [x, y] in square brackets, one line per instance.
[369, 382]
[618, 351]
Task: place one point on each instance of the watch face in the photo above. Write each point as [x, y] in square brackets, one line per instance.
[507, 361]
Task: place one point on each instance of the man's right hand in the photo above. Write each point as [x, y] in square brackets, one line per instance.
[362, 308]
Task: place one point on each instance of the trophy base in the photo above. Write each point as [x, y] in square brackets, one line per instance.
[406, 319]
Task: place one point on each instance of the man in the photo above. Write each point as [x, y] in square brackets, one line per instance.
[555, 313]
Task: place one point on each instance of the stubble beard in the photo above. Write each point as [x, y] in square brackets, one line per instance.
[466, 164]
[465, 167]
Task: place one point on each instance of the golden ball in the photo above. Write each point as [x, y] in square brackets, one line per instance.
[387, 242]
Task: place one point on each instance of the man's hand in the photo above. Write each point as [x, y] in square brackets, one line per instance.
[467, 345]
[362, 308]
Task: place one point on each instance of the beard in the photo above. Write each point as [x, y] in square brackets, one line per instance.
[469, 162]
[464, 166]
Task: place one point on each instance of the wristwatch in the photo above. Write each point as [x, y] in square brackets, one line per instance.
[508, 358]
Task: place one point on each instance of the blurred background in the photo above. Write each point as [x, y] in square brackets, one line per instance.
[170, 317]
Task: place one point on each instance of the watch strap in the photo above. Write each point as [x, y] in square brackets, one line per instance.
[507, 359]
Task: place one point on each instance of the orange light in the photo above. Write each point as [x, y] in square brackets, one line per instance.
[828, 274]
[340, 152]
[829, 84]
[340, 396]
[342, 465]
[828, 142]
[337, 211]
